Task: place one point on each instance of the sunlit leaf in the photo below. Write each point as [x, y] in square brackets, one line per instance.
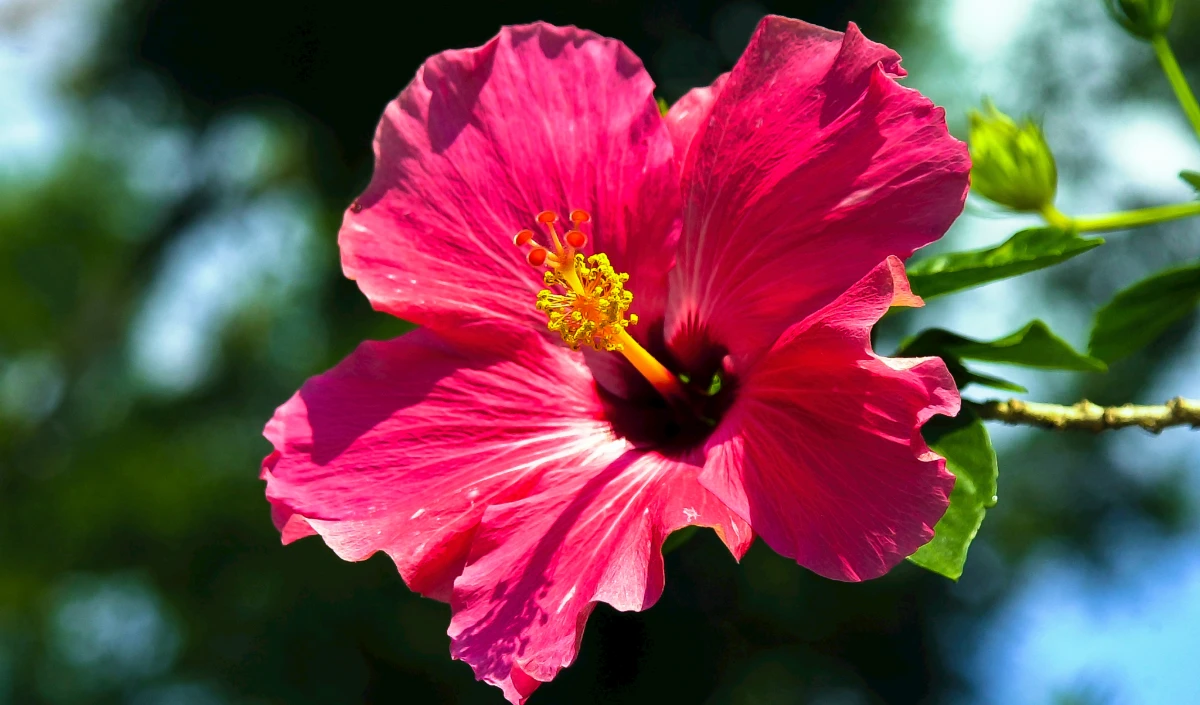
[965, 445]
[1032, 346]
[1027, 251]
[1138, 315]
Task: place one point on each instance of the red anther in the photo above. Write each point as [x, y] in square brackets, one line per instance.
[537, 256]
[523, 237]
[580, 217]
[576, 239]
[547, 217]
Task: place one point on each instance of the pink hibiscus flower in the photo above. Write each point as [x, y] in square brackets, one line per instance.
[759, 226]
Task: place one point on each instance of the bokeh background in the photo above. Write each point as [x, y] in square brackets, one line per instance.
[172, 175]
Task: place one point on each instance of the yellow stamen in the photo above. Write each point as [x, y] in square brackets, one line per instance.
[591, 311]
[592, 308]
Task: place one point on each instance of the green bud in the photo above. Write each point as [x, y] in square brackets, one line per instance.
[1011, 163]
[1142, 18]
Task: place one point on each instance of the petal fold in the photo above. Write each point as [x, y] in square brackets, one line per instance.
[592, 534]
[823, 453]
[813, 166]
[540, 118]
[403, 445]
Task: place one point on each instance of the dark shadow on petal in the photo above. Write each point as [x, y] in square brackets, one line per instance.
[455, 82]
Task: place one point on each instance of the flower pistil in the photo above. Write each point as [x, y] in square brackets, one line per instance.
[592, 306]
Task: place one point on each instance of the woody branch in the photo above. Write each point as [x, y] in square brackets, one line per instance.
[1086, 416]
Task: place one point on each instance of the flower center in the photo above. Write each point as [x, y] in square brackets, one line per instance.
[586, 301]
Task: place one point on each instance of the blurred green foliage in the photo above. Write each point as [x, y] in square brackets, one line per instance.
[1142, 312]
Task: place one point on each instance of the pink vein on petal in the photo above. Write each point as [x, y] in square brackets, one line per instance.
[402, 446]
[593, 534]
[482, 140]
[823, 453]
[814, 165]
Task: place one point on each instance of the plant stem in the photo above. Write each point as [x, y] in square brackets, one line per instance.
[1057, 218]
[1136, 218]
[1086, 416]
[1170, 66]
[1122, 220]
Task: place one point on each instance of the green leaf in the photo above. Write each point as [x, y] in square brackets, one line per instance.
[972, 377]
[965, 445]
[1138, 315]
[1027, 251]
[1032, 346]
[1192, 178]
[963, 376]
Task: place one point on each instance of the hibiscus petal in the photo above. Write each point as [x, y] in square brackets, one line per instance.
[823, 453]
[402, 446]
[292, 526]
[689, 113]
[539, 118]
[813, 166]
[592, 534]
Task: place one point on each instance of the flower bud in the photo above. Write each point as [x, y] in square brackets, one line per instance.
[1142, 18]
[1011, 163]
